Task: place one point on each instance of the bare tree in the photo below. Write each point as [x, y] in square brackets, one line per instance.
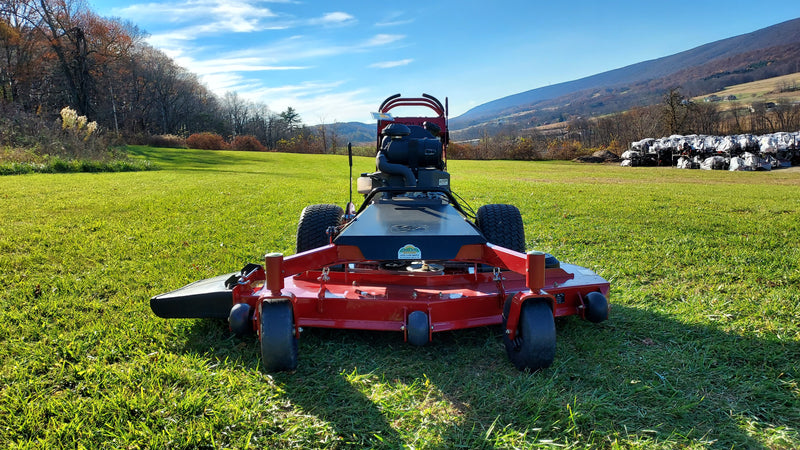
[644, 123]
[787, 115]
[704, 118]
[237, 112]
[257, 123]
[759, 120]
[333, 137]
[322, 134]
[675, 111]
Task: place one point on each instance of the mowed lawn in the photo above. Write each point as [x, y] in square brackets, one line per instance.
[701, 349]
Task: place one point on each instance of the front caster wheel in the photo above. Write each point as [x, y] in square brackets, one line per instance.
[534, 346]
[596, 307]
[277, 334]
[418, 328]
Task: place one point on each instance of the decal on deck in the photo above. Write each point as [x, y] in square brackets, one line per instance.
[409, 251]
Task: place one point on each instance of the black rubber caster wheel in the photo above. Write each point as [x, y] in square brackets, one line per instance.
[277, 334]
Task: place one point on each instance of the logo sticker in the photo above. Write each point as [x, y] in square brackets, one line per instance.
[409, 252]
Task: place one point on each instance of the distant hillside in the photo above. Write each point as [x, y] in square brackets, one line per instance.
[355, 132]
[765, 53]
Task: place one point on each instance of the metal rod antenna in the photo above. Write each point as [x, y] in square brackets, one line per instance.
[350, 159]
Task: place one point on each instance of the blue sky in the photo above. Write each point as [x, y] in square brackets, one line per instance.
[335, 61]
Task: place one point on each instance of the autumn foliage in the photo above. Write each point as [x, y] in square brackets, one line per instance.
[213, 141]
[247, 143]
[206, 141]
[57, 53]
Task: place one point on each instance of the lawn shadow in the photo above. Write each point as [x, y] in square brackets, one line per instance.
[316, 388]
[641, 377]
[199, 159]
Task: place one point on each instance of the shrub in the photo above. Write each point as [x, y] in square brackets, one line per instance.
[137, 138]
[166, 141]
[525, 149]
[247, 143]
[461, 151]
[79, 126]
[565, 149]
[206, 141]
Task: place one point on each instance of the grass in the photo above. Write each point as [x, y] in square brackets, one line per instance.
[701, 350]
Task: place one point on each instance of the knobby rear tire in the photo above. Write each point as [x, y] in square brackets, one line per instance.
[312, 228]
[502, 225]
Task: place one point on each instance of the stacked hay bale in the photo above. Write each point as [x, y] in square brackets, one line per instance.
[736, 152]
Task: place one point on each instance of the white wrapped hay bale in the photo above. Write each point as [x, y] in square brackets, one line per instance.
[684, 163]
[714, 163]
[768, 144]
[737, 164]
[755, 162]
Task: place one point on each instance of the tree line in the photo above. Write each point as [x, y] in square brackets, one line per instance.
[675, 114]
[57, 53]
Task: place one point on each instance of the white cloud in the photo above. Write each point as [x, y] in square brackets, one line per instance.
[383, 39]
[302, 90]
[334, 18]
[390, 64]
[394, 19]
[316, 102]
[395, 23]
[223, 82]
[331, 107]
[186, 11]
[203, 18]
[232, 63]
[298, 48]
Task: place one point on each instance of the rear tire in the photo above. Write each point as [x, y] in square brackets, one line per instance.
[534, 346]
[502, 225]
[278, 340]
[312, 229]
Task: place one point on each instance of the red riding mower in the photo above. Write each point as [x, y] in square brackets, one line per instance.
[411, 259]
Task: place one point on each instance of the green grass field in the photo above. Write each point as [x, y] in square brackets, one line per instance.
[701, 350]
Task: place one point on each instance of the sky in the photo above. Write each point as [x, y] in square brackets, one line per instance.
[336, 61]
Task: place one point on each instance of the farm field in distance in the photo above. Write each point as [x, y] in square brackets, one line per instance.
[701, 349]
[766, 90]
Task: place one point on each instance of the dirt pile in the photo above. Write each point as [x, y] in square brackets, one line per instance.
[600, 156]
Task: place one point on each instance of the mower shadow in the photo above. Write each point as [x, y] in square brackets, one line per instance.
[641, 376]
[317, 388]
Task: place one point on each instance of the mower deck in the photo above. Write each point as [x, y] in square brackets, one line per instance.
[370, 299]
